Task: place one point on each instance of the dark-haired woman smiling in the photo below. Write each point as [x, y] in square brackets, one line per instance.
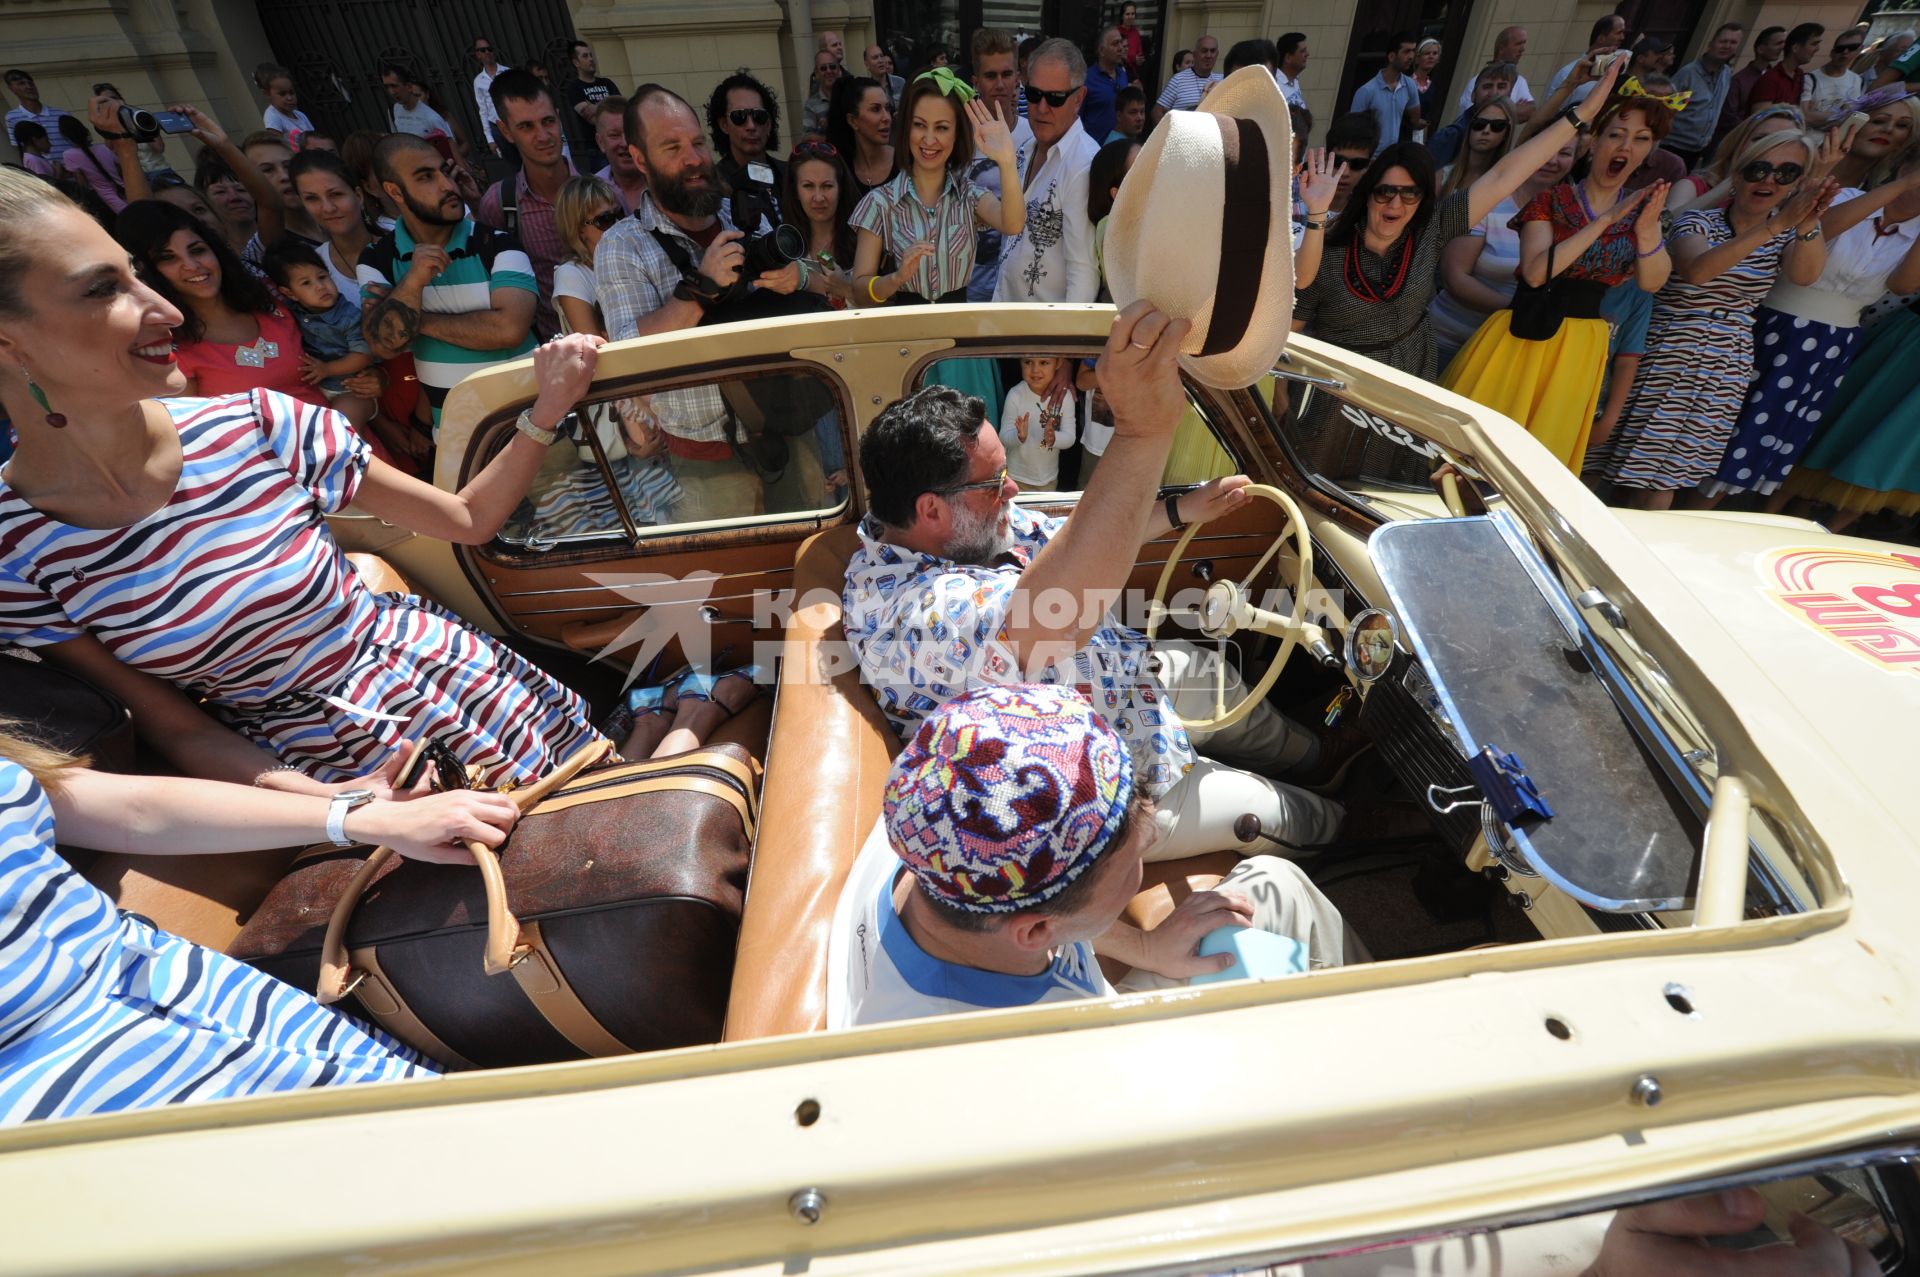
[234, 336]
[1380, 267]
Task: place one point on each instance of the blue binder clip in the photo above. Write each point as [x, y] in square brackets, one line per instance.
[1508, 789]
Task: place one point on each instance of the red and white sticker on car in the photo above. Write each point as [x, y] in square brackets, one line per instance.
[1866, 601]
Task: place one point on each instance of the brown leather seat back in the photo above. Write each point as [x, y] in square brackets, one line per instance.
[826, 766]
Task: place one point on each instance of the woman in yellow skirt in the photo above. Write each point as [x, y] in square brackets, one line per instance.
[1576, 240]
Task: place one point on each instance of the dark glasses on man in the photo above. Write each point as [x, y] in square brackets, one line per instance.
[818, 150]
[483, 48]
[1356, 163]
[994, 484]
[1384, 193]
[1844, 49]
[1496, 124]
[1055, 98]
[746, 113]
[1760, 171]
[608, 220]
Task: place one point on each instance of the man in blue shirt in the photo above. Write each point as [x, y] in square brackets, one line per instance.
[1105, 78]
[1390, 96]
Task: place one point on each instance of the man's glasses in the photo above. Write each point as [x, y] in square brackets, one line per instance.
[1785, 174]
[1497, 124]
[1055, 98]
[817, 150]
[745, 113]
[1356, 163]
[994, 484]
[1846, 49]
[1383, 194]
[483, 48]
[607, 220]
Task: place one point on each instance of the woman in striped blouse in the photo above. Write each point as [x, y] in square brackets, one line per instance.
[176, 550]
[102, 1011]
[926, 217]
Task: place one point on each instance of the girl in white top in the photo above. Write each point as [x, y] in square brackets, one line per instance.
[1034, 431]
[1477, 269]
[283, 110]
[1806, 335]
[586, 209]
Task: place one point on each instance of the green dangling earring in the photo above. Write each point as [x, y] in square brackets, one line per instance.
[58, 420]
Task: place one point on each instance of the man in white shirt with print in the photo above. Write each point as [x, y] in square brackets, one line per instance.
[1052, 259]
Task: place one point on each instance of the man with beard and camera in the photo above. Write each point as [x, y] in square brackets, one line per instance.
[460, 296]
[681, 261]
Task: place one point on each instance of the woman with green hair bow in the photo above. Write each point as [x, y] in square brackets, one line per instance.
[923, 222]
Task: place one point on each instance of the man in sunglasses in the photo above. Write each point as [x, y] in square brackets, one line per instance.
[1052, 259]
[954, 587]
[1494, 81]
[523, 205]
[745, 121]
[1828, 86]
[490, 68]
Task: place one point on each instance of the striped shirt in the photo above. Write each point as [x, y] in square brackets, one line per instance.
[893, 211]
[102, 1012]
[485, 261]
[48, 118]
[235, 592]
[533, 223]
[1184, 90]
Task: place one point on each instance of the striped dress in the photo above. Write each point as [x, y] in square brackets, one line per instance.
[101, 1012]
[1693, 378]
[235, 592]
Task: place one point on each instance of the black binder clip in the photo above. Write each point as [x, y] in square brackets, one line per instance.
[1503, 780]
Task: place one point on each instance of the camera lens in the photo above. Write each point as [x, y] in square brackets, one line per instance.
[139, 123]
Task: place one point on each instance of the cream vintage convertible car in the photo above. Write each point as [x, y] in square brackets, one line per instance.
[1702, 970]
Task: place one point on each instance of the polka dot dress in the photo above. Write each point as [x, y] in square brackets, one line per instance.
[1797, 365]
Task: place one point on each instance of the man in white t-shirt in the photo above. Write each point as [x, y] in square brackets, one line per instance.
[410, 112]
[1509, 46]
[1184, 89]
[1829, 86]
[1014, 815]
[490, 130]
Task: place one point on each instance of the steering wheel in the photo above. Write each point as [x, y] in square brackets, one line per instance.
[1228, 609]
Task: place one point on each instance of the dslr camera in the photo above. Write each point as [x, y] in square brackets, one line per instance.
[779, 246]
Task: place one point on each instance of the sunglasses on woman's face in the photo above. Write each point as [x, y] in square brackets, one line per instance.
[1497, 124]
[1055, 98]
[1760, 171]
[608, 220]
[1405, 194]
[744, 114]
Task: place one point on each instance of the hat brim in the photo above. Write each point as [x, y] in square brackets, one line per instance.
[1152, 236]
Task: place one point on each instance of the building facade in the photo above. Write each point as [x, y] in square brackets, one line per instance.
[204, 51]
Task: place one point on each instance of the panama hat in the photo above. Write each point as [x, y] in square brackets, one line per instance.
[1200, 229]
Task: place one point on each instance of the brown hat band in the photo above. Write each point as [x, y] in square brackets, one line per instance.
[1244, 224]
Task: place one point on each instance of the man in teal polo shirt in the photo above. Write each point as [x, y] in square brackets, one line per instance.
[458, 295]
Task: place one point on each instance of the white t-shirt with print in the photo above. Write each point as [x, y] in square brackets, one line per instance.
[875, 971]
[1033, 465]
[420, 120]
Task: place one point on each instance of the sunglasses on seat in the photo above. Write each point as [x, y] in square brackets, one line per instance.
[1760, 171]
[1055, 98]
[754, 113]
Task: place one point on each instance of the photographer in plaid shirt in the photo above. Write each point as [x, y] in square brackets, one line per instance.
[676, 263]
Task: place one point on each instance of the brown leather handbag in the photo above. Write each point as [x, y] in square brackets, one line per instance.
[605, 925]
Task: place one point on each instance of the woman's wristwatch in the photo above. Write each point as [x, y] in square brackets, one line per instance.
[1804, 236]
[1314, 222]
[524, 423]
[1572, 116]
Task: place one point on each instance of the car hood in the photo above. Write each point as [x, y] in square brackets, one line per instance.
[1833, 622]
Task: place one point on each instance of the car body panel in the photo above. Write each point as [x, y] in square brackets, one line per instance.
[1346, 1107]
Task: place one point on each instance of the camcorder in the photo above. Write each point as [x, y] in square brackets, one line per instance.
[147, 125]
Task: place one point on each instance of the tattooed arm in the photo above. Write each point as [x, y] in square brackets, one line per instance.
[389, 318]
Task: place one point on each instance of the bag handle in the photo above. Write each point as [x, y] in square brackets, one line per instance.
[503, 950]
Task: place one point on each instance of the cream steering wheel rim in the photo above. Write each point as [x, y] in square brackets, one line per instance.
[1223, 716]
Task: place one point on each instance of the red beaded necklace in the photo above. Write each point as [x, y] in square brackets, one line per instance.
[1356, 279]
